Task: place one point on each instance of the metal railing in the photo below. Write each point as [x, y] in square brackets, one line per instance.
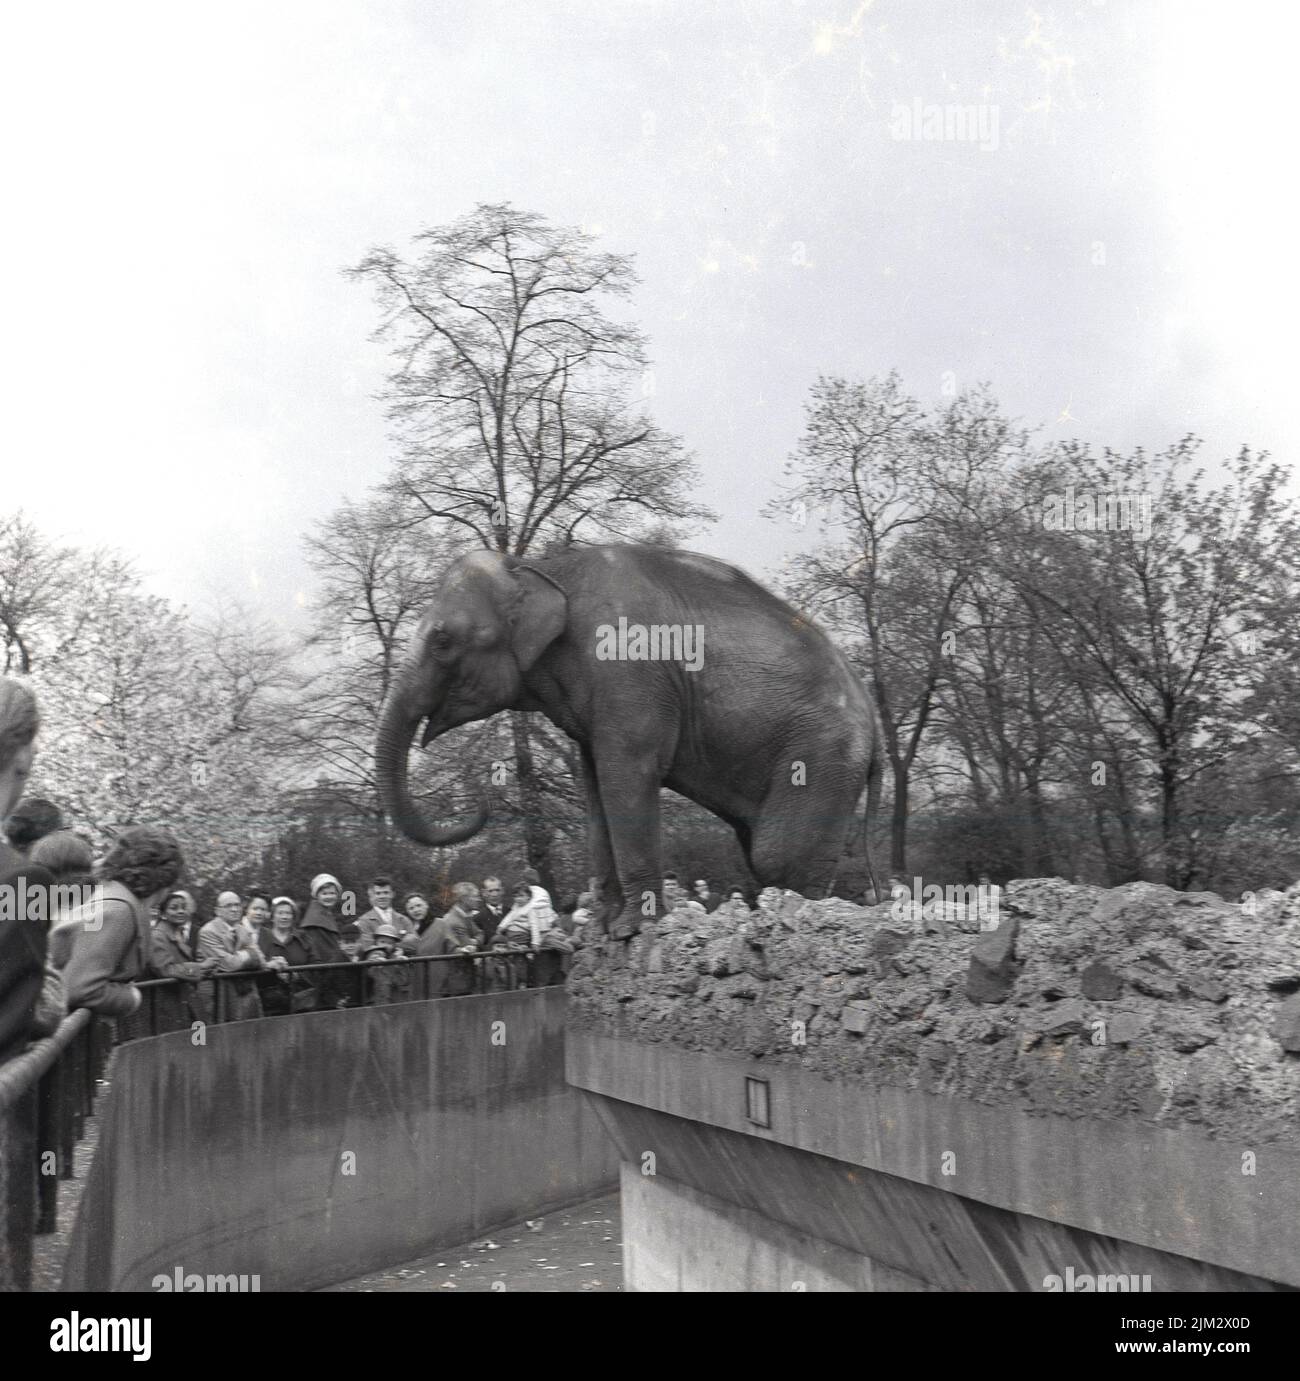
[171, 1004]
[48, 1091]
[46, 1094]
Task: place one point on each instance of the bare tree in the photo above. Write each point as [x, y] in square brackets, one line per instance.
[518, 402]
[519, 405]
[904, 497]
[1160, 618]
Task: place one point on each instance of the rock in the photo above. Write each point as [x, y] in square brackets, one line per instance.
[988, 1032]
[886, 943]
[856, 1017]
[1101, 983]
[1057, 1018]
[715, 960]
[993, 965]
[1151, 981]
[1092, 1018]
[747, 956]
[1135, 909]
[1187, 1032]
[1208, 989]
[781, 906]
[1052, 898]
[1286, 1025]
[1123, 1028]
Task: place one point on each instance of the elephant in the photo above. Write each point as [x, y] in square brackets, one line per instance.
[667, 668]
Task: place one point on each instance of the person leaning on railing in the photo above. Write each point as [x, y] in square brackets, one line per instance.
[284, 992]
[22, 938]
[228, 940]
[172, 956]
[454, 933]
[532, 924]
[111, 939]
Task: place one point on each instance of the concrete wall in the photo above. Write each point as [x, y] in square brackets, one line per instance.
[894, 1189]
[310, 1149]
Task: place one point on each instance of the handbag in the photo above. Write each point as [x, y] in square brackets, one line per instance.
[302, 998]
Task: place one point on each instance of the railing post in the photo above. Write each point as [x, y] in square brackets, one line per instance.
[49, 1139]
[63, 1114]
[18, 1148]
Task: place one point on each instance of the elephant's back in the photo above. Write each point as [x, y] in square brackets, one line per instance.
[750, 640]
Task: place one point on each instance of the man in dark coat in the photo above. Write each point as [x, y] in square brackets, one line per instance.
[454, 933]
[492, 912]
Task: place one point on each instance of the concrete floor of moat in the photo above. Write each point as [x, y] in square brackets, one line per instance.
[579, 1249]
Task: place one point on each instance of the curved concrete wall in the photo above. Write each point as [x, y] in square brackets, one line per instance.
[305, 1150]
[854, 1188]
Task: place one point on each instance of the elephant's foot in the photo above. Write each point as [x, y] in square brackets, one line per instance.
[625, 925]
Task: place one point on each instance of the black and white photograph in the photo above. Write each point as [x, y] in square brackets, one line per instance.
[649, 646]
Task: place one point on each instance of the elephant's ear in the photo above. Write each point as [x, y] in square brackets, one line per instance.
[539, 614]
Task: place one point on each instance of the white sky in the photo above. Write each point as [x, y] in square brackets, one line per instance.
[189, 378]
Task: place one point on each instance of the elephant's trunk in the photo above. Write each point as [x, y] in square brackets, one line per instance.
[397, 728]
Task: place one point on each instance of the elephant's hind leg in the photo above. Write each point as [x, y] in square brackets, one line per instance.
[800, 838]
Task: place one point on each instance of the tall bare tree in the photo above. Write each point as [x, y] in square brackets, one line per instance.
[519, 405]
[1159, 616]
[903, 494]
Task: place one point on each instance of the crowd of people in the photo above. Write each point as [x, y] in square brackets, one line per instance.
[266, 946]
[79, 933]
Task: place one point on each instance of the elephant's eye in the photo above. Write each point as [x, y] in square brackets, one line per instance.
[440, 639]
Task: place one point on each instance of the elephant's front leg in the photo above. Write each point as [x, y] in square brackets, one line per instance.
[629, 795]
[602, 852]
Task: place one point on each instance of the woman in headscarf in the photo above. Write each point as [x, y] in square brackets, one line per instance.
[531, 924]
[320, 931]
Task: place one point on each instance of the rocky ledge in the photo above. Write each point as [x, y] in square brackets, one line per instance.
[1137, 1001]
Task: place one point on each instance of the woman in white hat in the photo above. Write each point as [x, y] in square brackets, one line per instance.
[320, 934]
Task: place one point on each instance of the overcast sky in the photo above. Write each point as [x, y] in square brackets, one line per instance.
[190, 379]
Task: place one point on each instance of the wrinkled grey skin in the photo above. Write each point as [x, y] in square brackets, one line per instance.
[775, 733]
